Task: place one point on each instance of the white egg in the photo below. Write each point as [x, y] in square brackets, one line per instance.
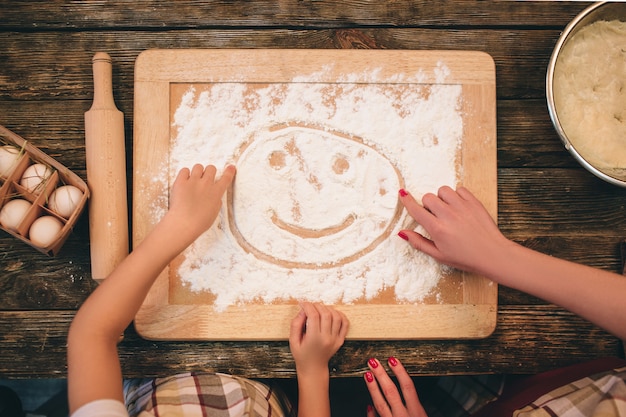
[13, 213]
[9, 155]
[35, 176]
[44, 231]
[64, 200]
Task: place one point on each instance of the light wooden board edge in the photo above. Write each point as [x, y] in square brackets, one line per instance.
[482, 156]
[155, 69]
[367, 322]
[250, 65]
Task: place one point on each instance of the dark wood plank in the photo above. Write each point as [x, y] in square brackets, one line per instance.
[34, 69]
[559, 203]
[559, 217]
[526, 137]
[32, 281]
[36, 282]
[528, 339]
[56, 127]
[145, 14]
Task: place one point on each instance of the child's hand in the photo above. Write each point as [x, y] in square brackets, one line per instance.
[385, 395]
[317, 332]
[462, 233]
[196, 197]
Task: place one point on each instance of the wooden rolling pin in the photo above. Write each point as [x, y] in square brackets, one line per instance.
[106, 174]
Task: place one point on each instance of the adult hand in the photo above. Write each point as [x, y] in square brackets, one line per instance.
[461, 233]
[196, 197]
[316, 333]
[385, 394]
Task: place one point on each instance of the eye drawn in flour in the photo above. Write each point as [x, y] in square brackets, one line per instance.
[318, 197]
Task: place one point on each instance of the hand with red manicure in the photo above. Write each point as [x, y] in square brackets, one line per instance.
[461, 232]
[385, 395]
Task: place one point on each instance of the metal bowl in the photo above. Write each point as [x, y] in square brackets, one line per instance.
[597, 11]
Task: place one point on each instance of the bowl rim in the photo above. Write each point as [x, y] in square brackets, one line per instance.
[550, 95]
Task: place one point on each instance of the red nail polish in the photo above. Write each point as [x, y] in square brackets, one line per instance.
[393, 361]
[370, 408]
[373, 363]
[369, 377]
[403, 235]
[403, 193]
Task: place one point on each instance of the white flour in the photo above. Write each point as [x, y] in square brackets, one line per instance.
[315, 197]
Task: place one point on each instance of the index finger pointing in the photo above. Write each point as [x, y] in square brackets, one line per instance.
[416, 210]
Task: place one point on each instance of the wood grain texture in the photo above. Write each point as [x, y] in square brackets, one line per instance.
[545, 200]
[526, 138]
[522, 330]
[521, 55]
[147, 14]
[155, 72]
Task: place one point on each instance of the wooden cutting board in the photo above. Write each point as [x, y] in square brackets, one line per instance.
[466, 304]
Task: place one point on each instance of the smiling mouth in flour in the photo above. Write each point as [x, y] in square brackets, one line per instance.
[312, 233]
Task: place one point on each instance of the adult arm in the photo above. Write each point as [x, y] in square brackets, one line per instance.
[462, 234]
[94, 370]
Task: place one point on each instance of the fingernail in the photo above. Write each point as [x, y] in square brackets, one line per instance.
[370, 408]
[369, 377]
[373, 363]
[403, 235]
[393, 361]
[403, 192]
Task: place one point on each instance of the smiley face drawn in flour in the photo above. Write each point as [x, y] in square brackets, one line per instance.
[306, 197]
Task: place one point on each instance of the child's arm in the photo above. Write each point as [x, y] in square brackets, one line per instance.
[93, 364]
[463, 235]
[317, 332]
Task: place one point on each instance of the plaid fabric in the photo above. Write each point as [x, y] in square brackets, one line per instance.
[600, 395]
[202, 395]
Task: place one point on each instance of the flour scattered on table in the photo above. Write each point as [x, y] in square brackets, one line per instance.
[314, 209]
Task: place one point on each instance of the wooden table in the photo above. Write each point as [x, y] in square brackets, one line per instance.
[546, 200]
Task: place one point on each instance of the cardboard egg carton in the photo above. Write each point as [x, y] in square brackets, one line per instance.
[39, 196]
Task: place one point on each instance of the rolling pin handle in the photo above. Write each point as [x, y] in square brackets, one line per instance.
[102, 82]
